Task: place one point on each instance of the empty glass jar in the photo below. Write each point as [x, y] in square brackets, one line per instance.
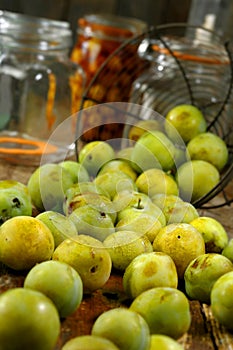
[39, 88]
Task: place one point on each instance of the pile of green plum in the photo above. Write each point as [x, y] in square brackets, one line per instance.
[74, 223]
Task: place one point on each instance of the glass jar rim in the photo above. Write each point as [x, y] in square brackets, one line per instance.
[183, 49]
[111, 26]
[19, 30]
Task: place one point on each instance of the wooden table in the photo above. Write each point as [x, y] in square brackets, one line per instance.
[204, 334]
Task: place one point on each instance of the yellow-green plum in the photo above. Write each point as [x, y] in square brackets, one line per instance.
[95, 200]
[165, 309]
[228, 250]
[153, 181]
[60, 225]
[201, 274]
[90, 342]
[124, 246]
[82, 188]
[113, 182]
[24, 309]
[196, 178]
[209, 147]
[144, 224]
[125, 154]
[59, 282]
[119, 165]
[47, 186]
[94, 155]
[163, 342]
[136, 209]
[131, 198]
[88, 257]
[153, 150]
[175, 209]
[24, 242]
[15, 200]
[213, 232]
[147, 271]
[125, 328]
[180, 212]
[142, 126]
[187, 120]
[93, 222]
[221, 300]
[182, 242]
[77, 171]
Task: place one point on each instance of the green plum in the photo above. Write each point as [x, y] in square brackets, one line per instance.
[182, 242]
[89, 342]
[221, 300]
[164, 201]
[82, 188]
[114, 182]
[94, 155]
[142, 126]
[165, 309]
[88, 257]
[15, 200]
[59, 282]
[60, 225]
[24, 242]
[119, 165]
[209, 147]
[213, 232]
[139, 205]
[96, 200]
[174, 208]
[147, 271]
[131, 199]
[180, 212]
[93, 222]
[187, 120]
[125, 154]
[77, 171]
[153, 181]
[163, 342]
[153, 150]
[28, 320]
[125, 328]
[228, 250]
[196, 178]
[124, 246]
[144, 224]
[47, 186]
[201, 274]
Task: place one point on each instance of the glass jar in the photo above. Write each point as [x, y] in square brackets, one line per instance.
[100, 35]
[39, 88]
[188, 65]
[109, 71]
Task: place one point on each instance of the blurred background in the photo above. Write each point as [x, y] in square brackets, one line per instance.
[154, 12]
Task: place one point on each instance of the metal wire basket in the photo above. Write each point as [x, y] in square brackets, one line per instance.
[191, 65]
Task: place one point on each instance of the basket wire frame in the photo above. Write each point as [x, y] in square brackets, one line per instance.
[133, 69]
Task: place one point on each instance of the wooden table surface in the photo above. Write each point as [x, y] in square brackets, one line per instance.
[204, 334]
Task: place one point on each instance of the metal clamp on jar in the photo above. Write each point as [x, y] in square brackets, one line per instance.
[39, 88]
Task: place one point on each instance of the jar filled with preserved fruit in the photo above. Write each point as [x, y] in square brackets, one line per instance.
[109, 73]
[98, 36]
[39, 88]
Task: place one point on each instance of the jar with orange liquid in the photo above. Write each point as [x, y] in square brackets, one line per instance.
[98, 39]
[39, 88]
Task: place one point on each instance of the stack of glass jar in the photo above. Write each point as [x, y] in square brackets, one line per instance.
[39, 88]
